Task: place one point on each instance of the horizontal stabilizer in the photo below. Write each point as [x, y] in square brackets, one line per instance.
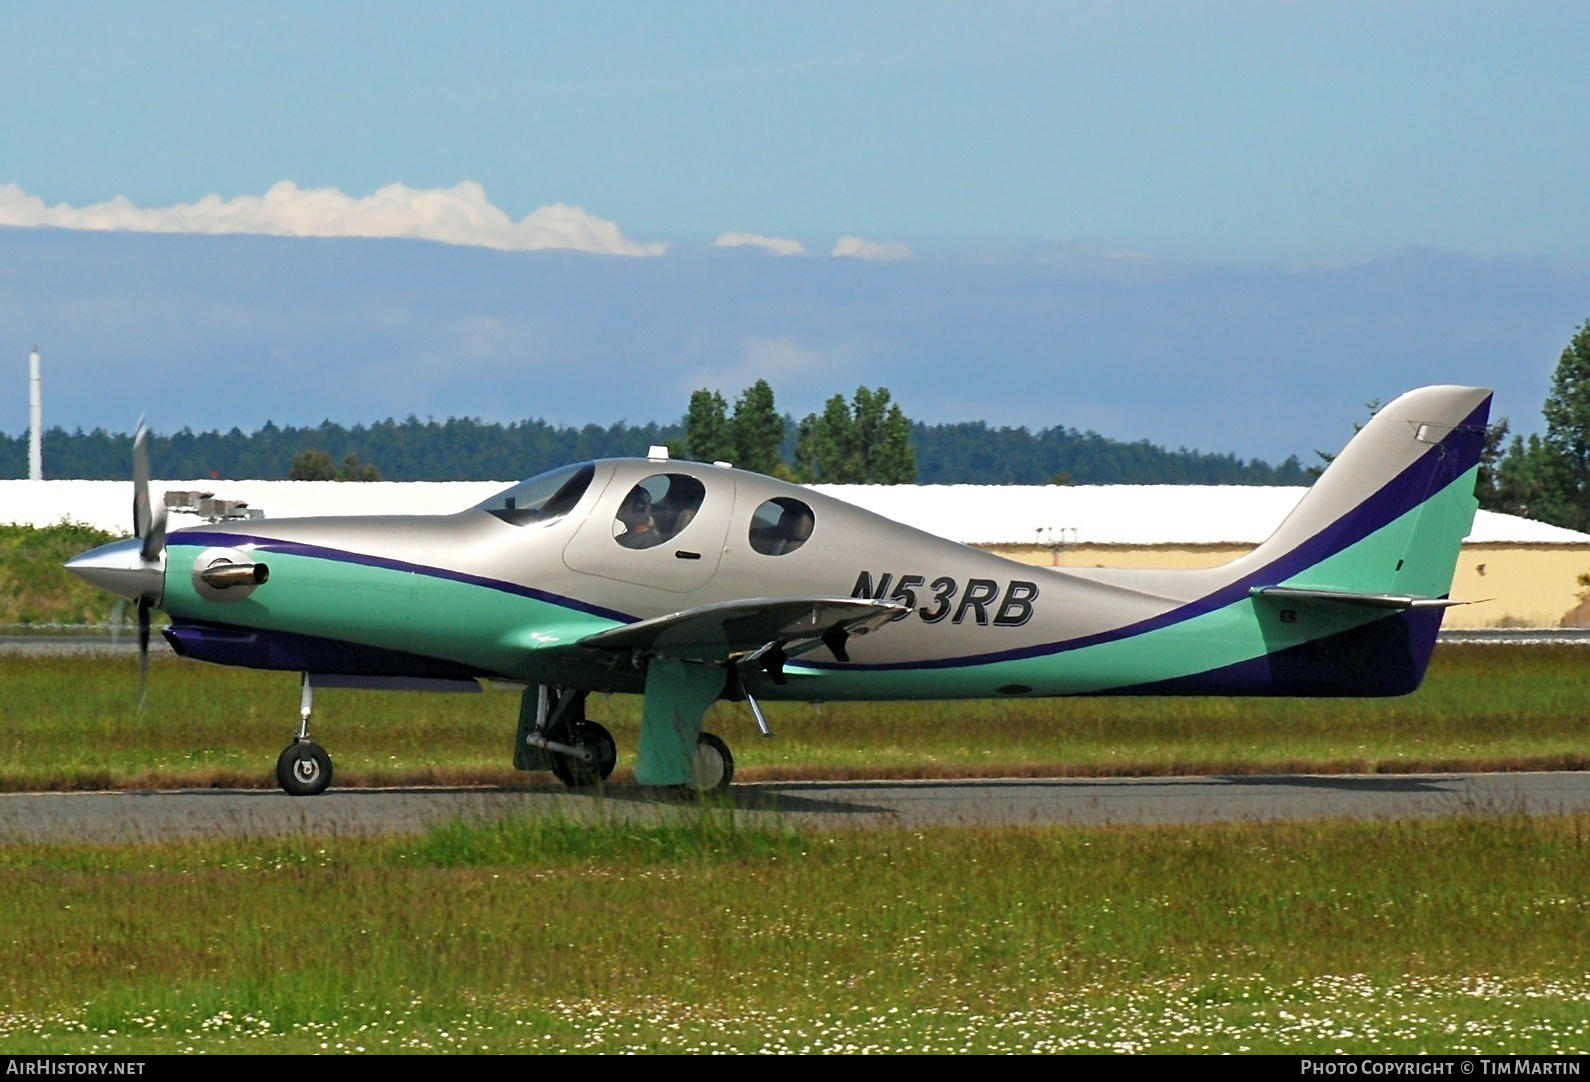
[728, 631]
[1346, 597]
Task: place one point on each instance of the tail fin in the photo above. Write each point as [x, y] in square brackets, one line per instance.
[1379, 530]
[1390, 512]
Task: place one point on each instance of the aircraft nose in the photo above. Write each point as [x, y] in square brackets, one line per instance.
[119, 568]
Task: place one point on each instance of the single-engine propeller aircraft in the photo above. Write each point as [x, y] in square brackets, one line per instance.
[689, 582]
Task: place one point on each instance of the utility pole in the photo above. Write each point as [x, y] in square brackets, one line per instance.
[36, 419]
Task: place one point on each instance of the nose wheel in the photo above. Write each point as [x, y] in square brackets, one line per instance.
[303, 768]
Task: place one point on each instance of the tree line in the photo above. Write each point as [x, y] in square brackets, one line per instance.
[867, 438]
[458, 449]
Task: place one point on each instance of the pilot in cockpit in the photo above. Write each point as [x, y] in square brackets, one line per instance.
[640, 529]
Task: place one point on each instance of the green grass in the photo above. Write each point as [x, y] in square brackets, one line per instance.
[35, 589]
[711, 932]
[74, 723]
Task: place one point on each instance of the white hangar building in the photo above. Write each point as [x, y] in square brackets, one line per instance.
[1521, 573]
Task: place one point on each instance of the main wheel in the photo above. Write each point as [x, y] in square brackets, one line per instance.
[604, 756]
[303, 768]
[712, 768]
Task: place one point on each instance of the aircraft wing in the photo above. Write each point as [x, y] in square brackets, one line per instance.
[766, 629]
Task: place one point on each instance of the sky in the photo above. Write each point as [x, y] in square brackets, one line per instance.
[935, 150]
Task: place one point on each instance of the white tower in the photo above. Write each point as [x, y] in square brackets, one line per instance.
[36, 419]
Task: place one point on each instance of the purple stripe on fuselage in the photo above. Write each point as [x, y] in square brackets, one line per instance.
[201, 538]
[1429, 473]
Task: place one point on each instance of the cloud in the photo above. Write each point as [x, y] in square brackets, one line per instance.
[764, 356]
[776, 245]
[457, 215]
[856, 248]
[783, 362]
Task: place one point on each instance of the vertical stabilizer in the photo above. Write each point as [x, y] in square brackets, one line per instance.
[1391, 511]
[1377, 540]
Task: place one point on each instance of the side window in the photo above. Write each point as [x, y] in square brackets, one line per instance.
[781, 526]
[657, 509]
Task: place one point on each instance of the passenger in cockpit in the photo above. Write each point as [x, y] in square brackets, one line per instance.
[794, 527]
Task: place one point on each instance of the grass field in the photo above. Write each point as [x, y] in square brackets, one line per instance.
[716, 933]
[709, 934]
[73, 723]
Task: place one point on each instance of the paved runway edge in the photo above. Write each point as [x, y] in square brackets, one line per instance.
[153, 816]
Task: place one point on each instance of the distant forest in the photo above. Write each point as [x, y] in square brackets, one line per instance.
[462, 449]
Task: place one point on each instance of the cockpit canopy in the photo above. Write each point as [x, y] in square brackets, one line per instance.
[544, 498]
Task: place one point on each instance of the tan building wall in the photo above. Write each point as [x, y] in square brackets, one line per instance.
[1523, 585]
[1530, 586]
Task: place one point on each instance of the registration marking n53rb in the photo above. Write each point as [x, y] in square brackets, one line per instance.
[1015, 607]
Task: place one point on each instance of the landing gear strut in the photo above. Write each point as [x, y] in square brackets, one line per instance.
[304, 768]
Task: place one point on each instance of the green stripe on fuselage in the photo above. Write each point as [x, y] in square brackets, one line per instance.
[1236, 633]
[492, 629]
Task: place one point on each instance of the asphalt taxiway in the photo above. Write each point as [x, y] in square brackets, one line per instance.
[163, 815]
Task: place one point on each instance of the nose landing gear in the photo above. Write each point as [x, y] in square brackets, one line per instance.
[304, 768]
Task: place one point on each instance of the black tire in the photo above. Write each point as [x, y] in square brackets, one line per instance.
[303, 769]
[598, 741]
[712, 767]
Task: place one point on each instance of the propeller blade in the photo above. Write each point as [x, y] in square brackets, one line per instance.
[155, 538]
[142, 517]
[149, 524]
[143, 653]
[117, 615]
